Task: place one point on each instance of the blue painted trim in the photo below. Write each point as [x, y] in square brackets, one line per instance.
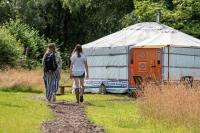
[108, 87]
[114, 80]
[110, 84]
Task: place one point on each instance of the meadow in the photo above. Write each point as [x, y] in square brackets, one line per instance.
[163, 109]
[120, 113]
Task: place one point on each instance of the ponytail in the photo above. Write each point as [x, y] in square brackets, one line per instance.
[78, 50]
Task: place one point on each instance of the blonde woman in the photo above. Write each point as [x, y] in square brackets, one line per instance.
[52, 64]
[78, 71]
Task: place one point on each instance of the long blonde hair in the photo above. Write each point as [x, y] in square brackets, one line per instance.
[52, 46]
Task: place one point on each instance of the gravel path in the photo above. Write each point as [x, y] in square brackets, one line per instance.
[70, 118]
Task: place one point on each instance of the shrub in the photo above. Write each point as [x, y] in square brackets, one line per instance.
[31, 41]
[10, 49]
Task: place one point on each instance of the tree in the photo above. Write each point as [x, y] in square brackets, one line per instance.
[6, 11]
[183, 16]
[92, 19]
[10, 50]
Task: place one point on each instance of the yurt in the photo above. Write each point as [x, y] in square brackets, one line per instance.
[142, 50]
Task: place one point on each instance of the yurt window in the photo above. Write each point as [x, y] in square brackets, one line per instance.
[131, 56]
[158, 56]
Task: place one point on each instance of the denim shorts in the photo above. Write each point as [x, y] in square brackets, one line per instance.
[81, 76]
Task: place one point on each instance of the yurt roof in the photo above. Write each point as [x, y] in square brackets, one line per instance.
[130, 35]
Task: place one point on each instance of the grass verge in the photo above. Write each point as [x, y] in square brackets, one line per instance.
[20, 88]
[22, 113]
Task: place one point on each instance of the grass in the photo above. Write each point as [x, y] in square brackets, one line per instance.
[172, 105]
[22, 80]
[163, 109]
[12, 78]
[22, 113]
[118, 113]
[20, 88]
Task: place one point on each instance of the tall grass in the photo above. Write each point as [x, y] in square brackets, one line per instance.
[26, 80]
[16, 78]
[172, 104]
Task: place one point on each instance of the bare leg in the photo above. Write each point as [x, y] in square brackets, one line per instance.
[81, 89]
[77, 86]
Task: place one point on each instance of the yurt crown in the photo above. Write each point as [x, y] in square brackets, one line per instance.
[158, 15]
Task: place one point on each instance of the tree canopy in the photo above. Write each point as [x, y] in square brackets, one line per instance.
[68, 22]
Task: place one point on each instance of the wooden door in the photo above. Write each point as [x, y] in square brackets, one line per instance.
[145, 62]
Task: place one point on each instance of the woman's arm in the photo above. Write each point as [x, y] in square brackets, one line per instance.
[70, 71]
[43, 63]
[86, 68]
[71, 66]
[59, 61]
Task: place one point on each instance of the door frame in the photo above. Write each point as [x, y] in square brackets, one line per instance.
[158, 59]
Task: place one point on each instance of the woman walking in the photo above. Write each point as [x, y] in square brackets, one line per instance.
[78, 71]
[52, 65]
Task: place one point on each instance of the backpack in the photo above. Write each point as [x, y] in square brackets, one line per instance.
[50, 62]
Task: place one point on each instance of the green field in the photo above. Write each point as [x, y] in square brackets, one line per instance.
[120, 114]
[22, 112]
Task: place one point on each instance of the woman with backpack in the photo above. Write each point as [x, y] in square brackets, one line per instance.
[52, 64]
[78, 71]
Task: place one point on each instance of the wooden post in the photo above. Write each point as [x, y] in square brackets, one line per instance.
[26, 53]
[62, 90]
[168, 46]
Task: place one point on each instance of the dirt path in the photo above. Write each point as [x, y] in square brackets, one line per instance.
[70, 118]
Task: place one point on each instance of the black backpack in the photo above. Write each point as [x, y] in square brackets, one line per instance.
[50, 62]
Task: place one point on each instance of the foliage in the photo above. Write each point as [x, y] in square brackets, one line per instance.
[49, 16]
[6, 11]
[10, 50]
[69, 22]
[33, 44]
[182, 15]
[91, 19]
[72, 21]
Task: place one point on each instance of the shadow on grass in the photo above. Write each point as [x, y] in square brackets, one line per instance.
[20, 88]
[64, 103]
[11, 105]
[108, 93]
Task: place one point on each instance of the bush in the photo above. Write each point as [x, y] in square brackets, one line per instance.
[33, 44]
[10, 49]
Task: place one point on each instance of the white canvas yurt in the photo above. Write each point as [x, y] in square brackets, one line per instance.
[114, 61]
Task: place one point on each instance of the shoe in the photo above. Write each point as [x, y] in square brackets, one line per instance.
[81, 99]
[49, 100]
[53, 98]
[77, 95]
